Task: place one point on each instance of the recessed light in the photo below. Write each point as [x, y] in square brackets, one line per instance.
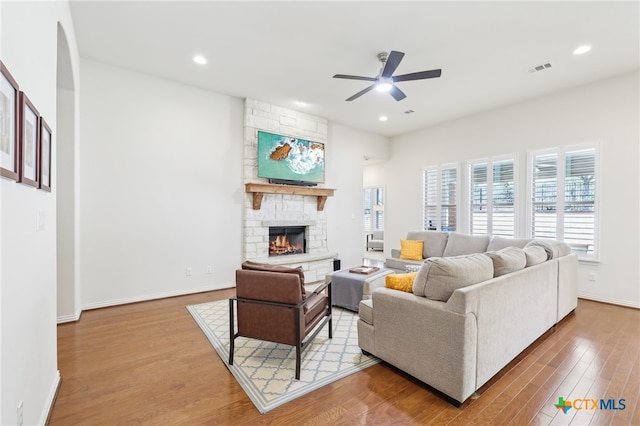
[198, 59]
[582, 50]
[302, 103]
[383, 118]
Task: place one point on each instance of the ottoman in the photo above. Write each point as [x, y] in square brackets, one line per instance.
[349, 288]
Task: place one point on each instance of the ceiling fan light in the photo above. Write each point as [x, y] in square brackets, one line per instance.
[384, 85]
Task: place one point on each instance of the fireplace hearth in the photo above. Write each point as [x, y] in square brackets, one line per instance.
[284, 240]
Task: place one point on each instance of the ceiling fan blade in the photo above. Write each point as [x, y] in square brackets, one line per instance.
[392, 63]
[417, 75]
[354, 77]
[397, 94]
[360, 93]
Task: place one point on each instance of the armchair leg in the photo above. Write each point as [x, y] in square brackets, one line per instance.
[298, 350]
[232, 333]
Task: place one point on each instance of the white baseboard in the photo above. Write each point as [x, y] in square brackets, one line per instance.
[611, 300]
[68, 318]
[146, 297]
[51, 398]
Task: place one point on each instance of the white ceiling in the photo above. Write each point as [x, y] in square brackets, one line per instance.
[282, 52]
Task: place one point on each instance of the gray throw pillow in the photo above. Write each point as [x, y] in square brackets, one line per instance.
[498, 243]
[439, 277]
[553, 248]
[507, 260]
[535, 255]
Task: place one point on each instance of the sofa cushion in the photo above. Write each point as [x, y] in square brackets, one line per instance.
[402, 282]
[534, 255]
[411, 249]
[460, 244]
[498, 243]
[439, 277]
[434, 242]
[255, 266]
[507, 260]
[553, 248]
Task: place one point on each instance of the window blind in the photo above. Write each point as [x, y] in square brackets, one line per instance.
[440, 186]
[492, 197]
[563, 197]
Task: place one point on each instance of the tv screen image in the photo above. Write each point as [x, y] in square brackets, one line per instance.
[290, 159]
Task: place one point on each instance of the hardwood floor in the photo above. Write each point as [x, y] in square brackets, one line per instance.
[149, 363]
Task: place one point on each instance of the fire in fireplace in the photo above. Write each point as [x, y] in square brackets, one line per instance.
[285, 240]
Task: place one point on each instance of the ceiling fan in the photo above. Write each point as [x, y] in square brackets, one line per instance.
[385, 81]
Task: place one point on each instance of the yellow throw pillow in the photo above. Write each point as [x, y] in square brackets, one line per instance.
[402, 282]
[411, 249]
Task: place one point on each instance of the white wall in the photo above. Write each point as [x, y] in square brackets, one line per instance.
[161, 187]
[606, 111]
[28, 356]
[345, 211]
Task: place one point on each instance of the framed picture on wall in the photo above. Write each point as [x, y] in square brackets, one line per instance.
[28, 139]
[9, 101]
[45, 156]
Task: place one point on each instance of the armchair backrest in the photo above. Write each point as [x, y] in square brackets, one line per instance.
[276, 323]
[255, 266]
[278, 287]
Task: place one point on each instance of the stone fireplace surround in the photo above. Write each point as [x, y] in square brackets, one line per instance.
[283, 209]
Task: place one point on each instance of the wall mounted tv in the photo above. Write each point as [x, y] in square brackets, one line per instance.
[288, 160]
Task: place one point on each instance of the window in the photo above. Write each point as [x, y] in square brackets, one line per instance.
[563, 201]
[492, 191]
[440, 185]
[374, 209]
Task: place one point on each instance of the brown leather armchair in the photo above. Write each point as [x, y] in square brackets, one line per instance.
[273, 305]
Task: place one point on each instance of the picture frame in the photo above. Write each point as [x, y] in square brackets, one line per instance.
[45, 156]
[28, 142]
[9, 123]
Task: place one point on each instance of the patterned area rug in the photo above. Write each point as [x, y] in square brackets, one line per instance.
[266, 370]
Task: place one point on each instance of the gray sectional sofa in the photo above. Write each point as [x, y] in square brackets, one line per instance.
[477, 302]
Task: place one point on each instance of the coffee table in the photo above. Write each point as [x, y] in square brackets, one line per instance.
[349, 288]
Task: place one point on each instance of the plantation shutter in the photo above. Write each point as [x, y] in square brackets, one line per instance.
[479, 199]
[544, 196]
[579, 200]
[440, 197]
[448, 195]
[430, 195]
[563, 197]
[503, 190]
[492, 192]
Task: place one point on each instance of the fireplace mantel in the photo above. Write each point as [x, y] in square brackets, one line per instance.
[259, 189]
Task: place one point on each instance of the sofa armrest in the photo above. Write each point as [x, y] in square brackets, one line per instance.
[395, 253]
[428, 341]
[377, 281]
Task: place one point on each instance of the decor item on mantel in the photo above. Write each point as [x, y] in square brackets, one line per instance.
[259, 189]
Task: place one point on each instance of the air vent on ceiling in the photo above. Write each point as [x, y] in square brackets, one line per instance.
[540, 67]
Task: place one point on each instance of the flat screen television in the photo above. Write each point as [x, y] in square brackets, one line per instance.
[288, 160]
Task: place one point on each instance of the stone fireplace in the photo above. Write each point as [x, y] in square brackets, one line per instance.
[283, 210]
